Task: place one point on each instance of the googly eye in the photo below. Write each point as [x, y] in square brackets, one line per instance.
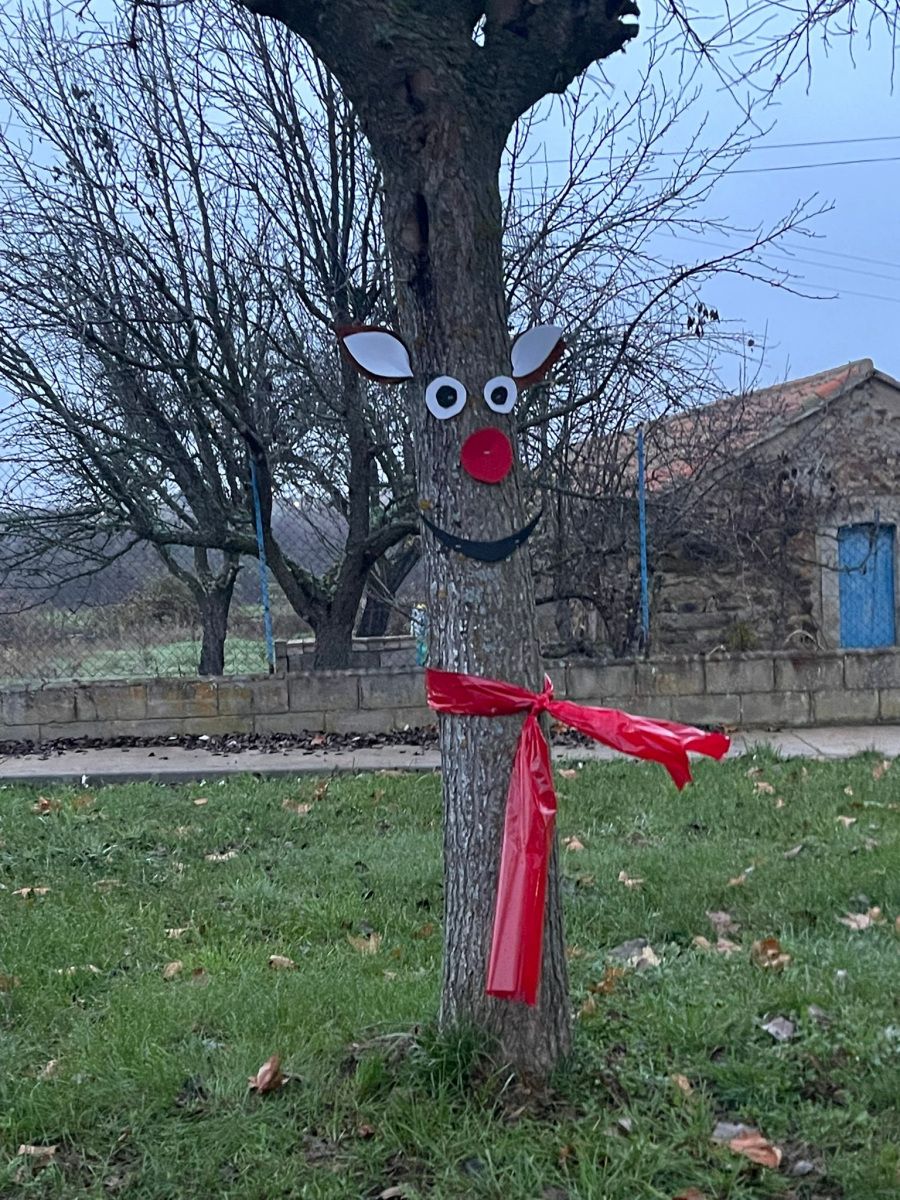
[500, 394]
[445, 397]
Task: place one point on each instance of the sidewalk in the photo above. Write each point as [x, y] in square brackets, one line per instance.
[162, 764]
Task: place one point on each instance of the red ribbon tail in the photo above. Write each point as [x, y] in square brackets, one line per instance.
[514, 969]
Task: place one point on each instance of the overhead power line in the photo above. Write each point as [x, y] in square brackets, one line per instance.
[854, 141]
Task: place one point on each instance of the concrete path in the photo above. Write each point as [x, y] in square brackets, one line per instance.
[175, 764]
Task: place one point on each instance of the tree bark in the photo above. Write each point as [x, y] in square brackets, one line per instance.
[214, 607]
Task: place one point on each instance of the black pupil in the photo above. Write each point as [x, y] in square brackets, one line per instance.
[446, 395]
[499, 395]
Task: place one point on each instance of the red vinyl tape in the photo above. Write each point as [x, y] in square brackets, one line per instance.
[514, 968]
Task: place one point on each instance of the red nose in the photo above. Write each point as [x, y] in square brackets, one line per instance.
[487, 455]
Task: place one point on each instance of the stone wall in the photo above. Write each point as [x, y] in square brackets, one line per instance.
[761, 689]
[366, 653]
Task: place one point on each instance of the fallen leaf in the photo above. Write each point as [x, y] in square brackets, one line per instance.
[573, 844]
[365, 1131]
[85, 800]
[738, 880]
[763, 789]
[754, 772]
[722, 921]
[749, 1142]
[683, 1084]
[8, 982]
[589, 1007]
[42, 1155]
[897, 924]
[49, 1070]
[45, 805]
[846, 821]
[779, 803]
[425, 931]
[280, 962]
[585, 881]
[568, 772]
[859, 921]
[870, 843]
[172, 969]
[780, 1028]
[768, 953]
[818, 1014]
[268, 1078]
[573, 952]
[848, 791]
[225, 856]
[608, 983]
[691, 1194]
[637, 953]
[389, 974]
[199, 975]
[366, 945]
[177, 931]
[321, 789]
[629, 883]
[295, 806]
[27, 892]
[74, 970]
[200, 801]
[393, 1193]
[794, 851]
[880, 769]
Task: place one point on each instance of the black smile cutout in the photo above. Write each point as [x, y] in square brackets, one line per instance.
[495, 551]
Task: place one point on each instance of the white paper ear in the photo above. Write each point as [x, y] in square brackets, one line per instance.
[535, 351]
[377, 353]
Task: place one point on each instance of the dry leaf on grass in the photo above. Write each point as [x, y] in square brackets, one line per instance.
[780, 1028]
[628, 881]
[224, 856]
[200, 801]
[846, 821]
[74, 970]
[691, 1194]
[683, 1084]
[572, 843]
[779, 803]
[568, 773]
[769, 954]
[45, 805]
[280, 962]
[39, 1156]
[860, 921]
[425, 931]
[743, 1140]
[573, 952]
[763, 789]
[85, 800]
[794, 851]
[722, 922]
[848, 791]
[295, 806]
[637, 953]
[177, 931]
[607, 984]
[738, 880]
[28, 892]
[268, 1078]
[365, 945]
[722, 945]
[49, 1070]
[880, 769]
[8, 982]
[172, 969]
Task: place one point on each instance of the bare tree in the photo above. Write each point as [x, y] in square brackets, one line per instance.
[168, 324]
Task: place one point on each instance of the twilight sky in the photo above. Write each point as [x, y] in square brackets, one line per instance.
[855, 257]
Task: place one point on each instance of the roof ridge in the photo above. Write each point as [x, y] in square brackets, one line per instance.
[866, 365]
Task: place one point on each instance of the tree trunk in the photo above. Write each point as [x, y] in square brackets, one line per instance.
[443, 219]
[334, 640]
[214, 607]
[375, 618]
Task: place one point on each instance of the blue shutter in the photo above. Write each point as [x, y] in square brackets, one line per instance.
[866, 562]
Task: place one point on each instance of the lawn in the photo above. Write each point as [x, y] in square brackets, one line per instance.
[140, 1081]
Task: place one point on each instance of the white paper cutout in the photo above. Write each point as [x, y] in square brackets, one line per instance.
[500, 394]
[532, 348]
[441, 403]
[380, 354]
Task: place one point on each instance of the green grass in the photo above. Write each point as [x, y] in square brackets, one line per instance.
[149, 1096]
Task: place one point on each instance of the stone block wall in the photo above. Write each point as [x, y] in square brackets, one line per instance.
[761, 688]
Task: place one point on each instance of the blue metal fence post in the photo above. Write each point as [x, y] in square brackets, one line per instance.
[263, 570]
[642, 524]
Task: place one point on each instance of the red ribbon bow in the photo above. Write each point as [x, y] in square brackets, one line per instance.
[514, 969]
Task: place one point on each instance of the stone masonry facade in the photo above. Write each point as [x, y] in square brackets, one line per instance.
[759, 689]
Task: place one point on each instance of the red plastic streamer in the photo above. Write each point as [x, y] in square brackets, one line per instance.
[514, 969]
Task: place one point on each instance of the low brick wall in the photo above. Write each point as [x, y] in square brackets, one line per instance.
[760, 689]
[366, 653]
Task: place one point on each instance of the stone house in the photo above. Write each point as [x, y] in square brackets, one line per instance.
[773, 517]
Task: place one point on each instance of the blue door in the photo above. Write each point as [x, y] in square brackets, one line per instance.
[866, 561]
